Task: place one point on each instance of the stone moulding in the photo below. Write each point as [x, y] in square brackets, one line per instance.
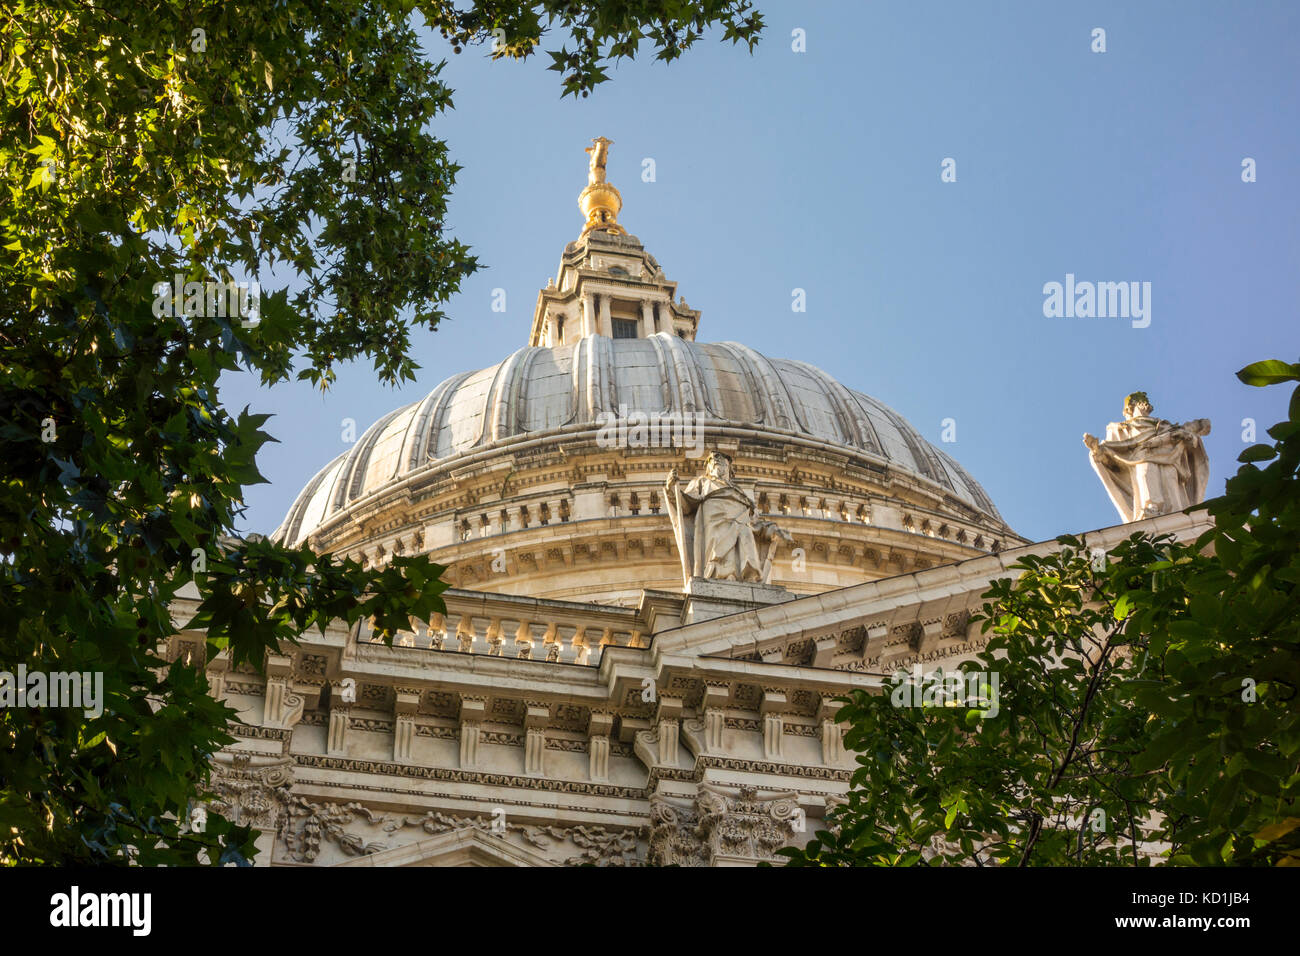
[306, 825]
[519, 781]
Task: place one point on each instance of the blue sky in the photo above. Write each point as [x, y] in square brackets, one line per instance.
[821, 170]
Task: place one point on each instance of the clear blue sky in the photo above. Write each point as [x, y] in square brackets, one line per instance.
[821, 170]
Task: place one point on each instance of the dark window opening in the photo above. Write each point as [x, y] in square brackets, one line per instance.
[624, 328]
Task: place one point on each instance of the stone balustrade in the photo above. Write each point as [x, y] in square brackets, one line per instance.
[500, 625]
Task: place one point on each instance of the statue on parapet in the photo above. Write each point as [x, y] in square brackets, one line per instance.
[717, 526]
[1149, 466]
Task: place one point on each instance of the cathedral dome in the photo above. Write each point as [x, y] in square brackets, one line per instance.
[544, 475]
[556, 395]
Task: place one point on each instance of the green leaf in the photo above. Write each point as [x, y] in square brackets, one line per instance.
[1258, 453]
[1269, 372]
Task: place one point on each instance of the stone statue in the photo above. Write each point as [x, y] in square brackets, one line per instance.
[717, 527]
[599, 150]
[1150, 466]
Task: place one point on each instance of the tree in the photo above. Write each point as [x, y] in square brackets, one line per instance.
[1028, 759]
[1225, 649]
[154, 157]
[1127, 705]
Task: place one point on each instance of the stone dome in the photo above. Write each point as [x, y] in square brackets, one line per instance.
[513, 478]
[555, 394]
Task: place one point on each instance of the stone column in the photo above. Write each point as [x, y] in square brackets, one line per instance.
[273, 701]
[774, 703]
[336, 743]
[536, 716]
[832, 743]
[714, 723]
[605, 325]
[668, 733]
[598, 761]
[404, 723]
[598, 729]
[472, 711]
[832, 736]
[670, 711]
[715, 698]
[278, 670]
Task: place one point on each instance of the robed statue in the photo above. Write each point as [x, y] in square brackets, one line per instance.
[1150, 466]
[717, 526]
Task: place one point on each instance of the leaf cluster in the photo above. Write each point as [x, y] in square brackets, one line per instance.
[148, 144]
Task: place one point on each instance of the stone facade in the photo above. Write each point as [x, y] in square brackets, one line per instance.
[523, 731]
[587, 698]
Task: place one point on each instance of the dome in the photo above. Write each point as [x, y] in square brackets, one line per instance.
[553, 394]
[543, 477]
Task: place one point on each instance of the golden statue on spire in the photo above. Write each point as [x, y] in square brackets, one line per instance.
[600, 202]
[599, 150]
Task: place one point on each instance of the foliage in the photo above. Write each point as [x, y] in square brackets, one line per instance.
[1040, 770]
[216, 142]
[1149, 698]
[597, 33]
[1226, 647]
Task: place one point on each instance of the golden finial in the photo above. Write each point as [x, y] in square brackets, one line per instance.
[600, 202]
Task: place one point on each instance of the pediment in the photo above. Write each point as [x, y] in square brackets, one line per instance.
[455, 848]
